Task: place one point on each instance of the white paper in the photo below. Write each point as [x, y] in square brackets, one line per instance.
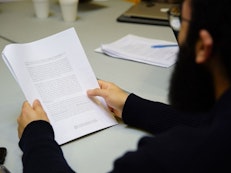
[56, 71]
[5, 1]
[140, 49]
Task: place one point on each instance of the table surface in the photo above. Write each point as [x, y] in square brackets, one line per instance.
[96, 24]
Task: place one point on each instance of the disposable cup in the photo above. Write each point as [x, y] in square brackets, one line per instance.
[41, 8]
[69, 9]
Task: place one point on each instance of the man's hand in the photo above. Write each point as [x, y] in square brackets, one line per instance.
[30, 113]
[114, 96]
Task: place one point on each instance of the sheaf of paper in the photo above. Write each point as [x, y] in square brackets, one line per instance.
[5, 1]
[56, 71]
[140, 49]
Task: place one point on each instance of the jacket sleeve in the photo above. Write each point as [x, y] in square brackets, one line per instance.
[41, 153]
[156, 117]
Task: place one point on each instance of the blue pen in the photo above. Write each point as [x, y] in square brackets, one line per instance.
[164, 45]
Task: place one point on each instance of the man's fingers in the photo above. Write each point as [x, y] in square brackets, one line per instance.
[26, 107]
[37, 106]
[95, 92]
[41, 114]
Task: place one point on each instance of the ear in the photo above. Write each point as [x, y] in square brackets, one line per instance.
[204, 47]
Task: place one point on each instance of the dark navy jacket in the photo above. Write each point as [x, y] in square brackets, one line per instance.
[181, 142]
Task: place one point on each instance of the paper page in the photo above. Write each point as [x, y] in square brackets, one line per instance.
[140, 49]
[56, 71]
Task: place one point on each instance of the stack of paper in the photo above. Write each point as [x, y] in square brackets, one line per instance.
[56, 71]
[140, 49]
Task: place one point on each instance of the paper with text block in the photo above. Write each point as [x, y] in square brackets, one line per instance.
[136, 48]
[56, 71]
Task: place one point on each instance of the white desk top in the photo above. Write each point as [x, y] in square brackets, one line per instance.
[96, 24]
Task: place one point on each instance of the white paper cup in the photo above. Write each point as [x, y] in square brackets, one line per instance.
[69, 9]
[41, 8]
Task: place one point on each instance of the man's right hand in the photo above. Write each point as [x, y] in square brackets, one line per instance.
[30, 113]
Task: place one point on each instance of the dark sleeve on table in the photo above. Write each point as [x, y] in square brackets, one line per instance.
[41, 153]
[155, 116]
[163, 153]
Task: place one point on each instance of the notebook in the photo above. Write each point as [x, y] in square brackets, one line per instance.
[147, 12]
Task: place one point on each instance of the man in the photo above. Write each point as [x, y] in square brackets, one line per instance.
[191, 135]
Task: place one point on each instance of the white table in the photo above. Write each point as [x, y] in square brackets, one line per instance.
[96, 24]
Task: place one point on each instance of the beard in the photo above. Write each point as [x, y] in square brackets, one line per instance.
[191, 85]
